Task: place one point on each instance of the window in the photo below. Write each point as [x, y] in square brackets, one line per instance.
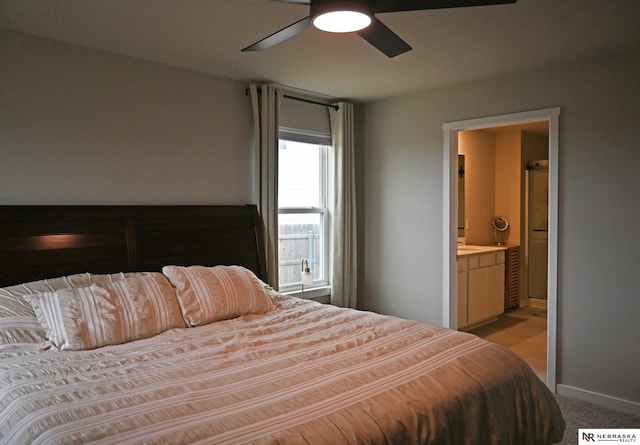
[302, 207]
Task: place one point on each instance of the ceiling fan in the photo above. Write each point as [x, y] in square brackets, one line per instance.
[359, 16]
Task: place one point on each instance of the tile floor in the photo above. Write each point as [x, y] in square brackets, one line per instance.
[524, 331]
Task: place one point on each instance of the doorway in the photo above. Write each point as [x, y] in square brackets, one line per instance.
[450, 222]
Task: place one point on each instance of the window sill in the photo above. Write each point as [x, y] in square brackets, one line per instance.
[321, 294]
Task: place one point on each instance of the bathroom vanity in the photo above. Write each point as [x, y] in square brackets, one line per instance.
[481, 284]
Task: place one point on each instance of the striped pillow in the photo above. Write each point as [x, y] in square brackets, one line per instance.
[20, 330]
[208, 294]
[19, 326]
[90, 317]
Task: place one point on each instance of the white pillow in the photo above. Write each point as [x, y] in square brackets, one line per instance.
[208, 294]
[139, 306]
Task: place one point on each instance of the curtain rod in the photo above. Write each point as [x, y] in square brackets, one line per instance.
[300, 99]
[309, 101]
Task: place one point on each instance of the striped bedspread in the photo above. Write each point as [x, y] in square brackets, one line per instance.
[303, 373]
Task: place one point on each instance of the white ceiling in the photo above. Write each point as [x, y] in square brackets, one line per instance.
[450, 46]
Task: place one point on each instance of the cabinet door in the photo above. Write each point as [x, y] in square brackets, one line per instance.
[495, 290]
[462, 299]
[477, 295]
[485, 293]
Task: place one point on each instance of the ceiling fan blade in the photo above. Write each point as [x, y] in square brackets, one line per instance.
[384, 39]
[280, 36]
[421, 5]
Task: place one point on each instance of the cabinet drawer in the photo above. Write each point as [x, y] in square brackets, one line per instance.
[500, 257]
[462, 264]
[487, 259]
[473, 261]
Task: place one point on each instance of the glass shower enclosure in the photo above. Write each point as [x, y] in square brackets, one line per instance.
[536, 254]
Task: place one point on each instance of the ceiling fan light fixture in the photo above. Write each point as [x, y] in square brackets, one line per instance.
[341, 16]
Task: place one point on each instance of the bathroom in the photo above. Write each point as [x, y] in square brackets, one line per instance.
[502, 173]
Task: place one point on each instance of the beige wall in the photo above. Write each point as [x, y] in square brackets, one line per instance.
[598, 162]
[493, 182]
[479, 150]
[509, 182]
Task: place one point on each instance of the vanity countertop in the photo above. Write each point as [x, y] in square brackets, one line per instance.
[468, 249]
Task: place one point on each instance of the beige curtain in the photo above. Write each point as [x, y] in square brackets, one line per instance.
[344, 267]
[265, 103]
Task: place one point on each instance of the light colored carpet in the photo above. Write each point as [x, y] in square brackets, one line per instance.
[579, 414]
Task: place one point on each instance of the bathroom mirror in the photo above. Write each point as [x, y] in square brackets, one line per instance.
[460, 196]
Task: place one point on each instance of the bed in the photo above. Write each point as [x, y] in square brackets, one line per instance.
[254, 367]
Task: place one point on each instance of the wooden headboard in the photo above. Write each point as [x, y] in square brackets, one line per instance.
[39, 242]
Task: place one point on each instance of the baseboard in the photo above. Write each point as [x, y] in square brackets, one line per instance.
[471, 327]
[615, 403]
[537, 303]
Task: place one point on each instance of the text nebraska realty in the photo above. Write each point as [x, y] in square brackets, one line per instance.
[620, 437]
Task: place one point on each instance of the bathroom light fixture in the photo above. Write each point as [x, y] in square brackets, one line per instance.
[341, 15]
[306, 276]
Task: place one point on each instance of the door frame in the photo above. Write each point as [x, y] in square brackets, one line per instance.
[450, 221]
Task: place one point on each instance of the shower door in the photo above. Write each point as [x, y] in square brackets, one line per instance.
[537, 228]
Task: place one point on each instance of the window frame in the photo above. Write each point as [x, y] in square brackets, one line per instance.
[320, 287]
